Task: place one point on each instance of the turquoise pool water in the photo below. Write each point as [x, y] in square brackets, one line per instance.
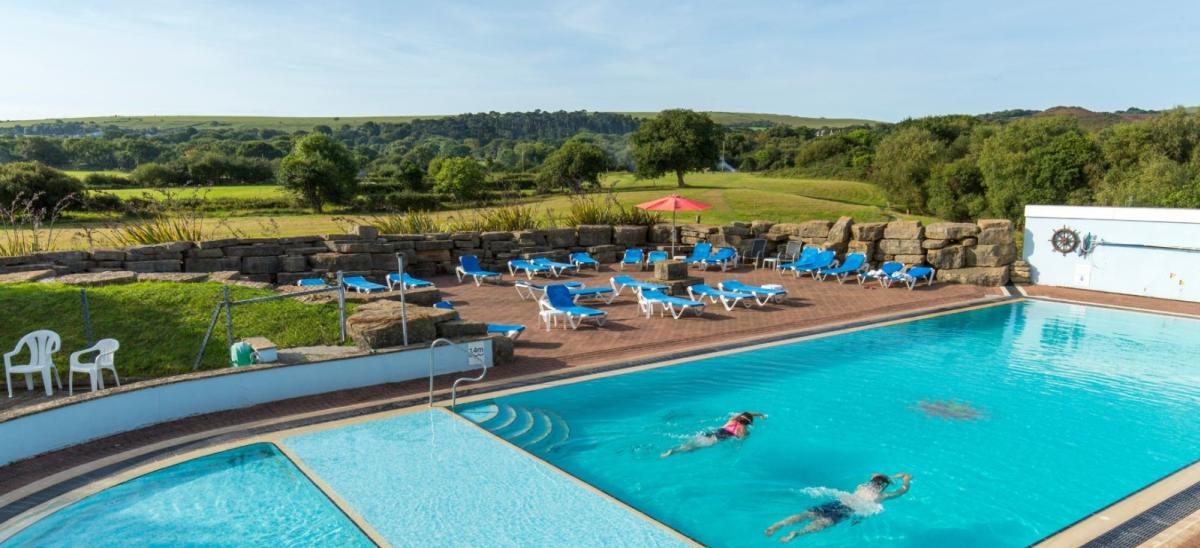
[249, 496]
[430, 479]
[1014, 420]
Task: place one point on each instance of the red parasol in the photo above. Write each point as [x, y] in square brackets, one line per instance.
[673, 203]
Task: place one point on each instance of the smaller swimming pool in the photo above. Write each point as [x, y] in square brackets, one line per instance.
[249, 496]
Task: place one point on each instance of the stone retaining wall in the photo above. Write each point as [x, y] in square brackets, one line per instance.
[978, 253]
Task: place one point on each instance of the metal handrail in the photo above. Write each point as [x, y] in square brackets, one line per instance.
[454, 386]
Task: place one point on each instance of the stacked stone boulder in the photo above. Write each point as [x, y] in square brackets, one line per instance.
[965, 252]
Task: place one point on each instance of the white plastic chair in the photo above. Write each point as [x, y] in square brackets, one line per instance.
[42, 345]
[94, 369]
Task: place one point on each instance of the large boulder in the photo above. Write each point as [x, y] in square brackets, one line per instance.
[901, 247]
[904, 230]
[868, 232]
[629, 235]
[502, 349]
[952, 256]
[760, 227]
[995, 231]
[461, 329]
[670, 270]
[560, 237]
[661, 233]
[593, 235]
[789, 229]
[839, 233]
[379, 324]
[985, 276]
[93, 279]
[175, 277]
[951, 231]
[27, 276]
[337, 261]
[991, 255]
[815, 229]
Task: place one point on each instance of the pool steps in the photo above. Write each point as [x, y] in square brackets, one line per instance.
[536, 430]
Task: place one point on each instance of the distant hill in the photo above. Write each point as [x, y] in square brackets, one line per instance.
[290, 123]
[1088, 119]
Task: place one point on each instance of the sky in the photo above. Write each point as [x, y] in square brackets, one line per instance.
[881, 60]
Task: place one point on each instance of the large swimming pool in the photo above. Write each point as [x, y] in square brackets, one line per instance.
[1014, 420]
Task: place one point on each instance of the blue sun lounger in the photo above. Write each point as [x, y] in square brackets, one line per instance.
[606, 294]
[728, 299]
[915, 274]
[632, 257]
[657, 256]
[619, 283]
[533, 290]
[311, 283]
[647, 300]
[558, 299]
[444, 305]
[699, 253]
[581, 259]
[852, 264]
[556, 267]
[517, 266]
[823, 259]
[410, 282]
[468, 265]
[723, 257]
[361, 285]
[886, 274]
[762, 295]
[512, 331]
[806, 257]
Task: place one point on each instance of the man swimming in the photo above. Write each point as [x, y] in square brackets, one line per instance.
[833, 512]
[737, 427]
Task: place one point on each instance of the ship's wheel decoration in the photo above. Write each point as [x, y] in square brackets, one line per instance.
[1065, 240]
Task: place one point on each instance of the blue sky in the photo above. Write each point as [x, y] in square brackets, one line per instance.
[883, 60]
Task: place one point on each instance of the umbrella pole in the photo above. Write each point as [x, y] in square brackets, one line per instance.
[673, 232]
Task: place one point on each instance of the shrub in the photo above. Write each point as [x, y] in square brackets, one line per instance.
[412, 222]
[46, 186]
[106, 180]
[102, 201]
[607, 211]
[507, 218]
[159, 175]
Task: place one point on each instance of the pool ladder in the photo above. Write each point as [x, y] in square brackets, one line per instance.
[453, 387]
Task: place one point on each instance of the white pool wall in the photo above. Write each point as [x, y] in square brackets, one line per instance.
[1131, 268]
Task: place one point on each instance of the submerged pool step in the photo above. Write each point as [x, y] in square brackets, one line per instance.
[533, 429]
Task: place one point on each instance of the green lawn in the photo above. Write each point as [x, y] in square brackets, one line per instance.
[81, 173]
[159, 324]
[212, 192]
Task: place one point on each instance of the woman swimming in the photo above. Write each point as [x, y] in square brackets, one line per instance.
[737, 427]
[820, 517]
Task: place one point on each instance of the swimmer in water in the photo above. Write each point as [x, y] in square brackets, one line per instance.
[737, 427]
[833, 512]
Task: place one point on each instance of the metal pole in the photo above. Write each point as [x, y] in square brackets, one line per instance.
[87, 317]
[673, 232]
[228, 319]
[341, 291]
[403, 303]
[212, 325]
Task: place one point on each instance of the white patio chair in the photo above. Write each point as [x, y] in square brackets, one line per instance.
[94, 369]
[42, 345]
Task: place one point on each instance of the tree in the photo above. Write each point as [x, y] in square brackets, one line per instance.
[903, 162]
[676, 141]
[319, 170]
[43, 184]
[462, 178]
[575, 163]
[1037, 161]
[41, 149]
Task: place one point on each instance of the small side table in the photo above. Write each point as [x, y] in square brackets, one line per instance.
[772, 262]
[550, 317]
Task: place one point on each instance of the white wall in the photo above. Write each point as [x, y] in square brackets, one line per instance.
[1130, 268]
[112, 414]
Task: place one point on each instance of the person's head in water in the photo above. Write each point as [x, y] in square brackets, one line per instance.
[745, 418]
[880, 482]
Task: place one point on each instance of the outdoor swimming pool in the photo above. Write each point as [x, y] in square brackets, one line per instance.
[1014, 420]
[216, 500]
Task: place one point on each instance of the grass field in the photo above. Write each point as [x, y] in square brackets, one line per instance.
[294, 123]
[215, 192]
[733, 196]
[178, 312]
[81, 173]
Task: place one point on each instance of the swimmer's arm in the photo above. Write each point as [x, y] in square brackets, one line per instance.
[759, 415]
[903, 487]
